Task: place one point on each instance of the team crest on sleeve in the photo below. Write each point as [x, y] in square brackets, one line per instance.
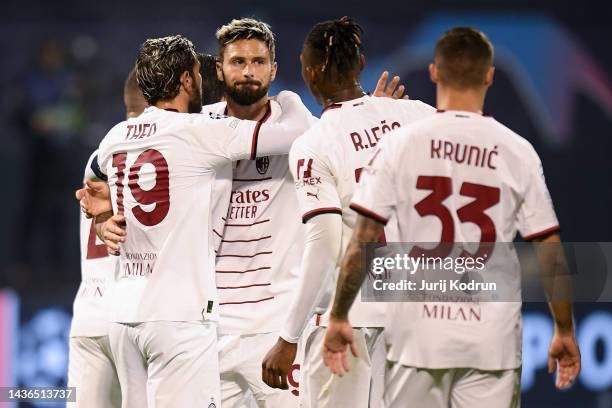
[262, 164]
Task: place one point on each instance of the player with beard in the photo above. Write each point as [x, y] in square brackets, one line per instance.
[262, 201]
[260, 244]
[161, 168]
[259, 250]
[91, 368]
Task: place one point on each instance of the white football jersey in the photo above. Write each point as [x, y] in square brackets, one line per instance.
[457, 177]
[326, 163]
[161, 168]
[261, 242]
[90, 310]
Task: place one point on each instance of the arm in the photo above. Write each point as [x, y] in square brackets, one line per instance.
[321, 209]
[339, 333]
[374, 200]
[538, 223]
[321, 252]
[94, 198]
[256, 139]
[563, 353]
[353, 271]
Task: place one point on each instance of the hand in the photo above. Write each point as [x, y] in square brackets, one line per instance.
[277, 363]
[286, 97]
[391, 90]
[113, 233]
[338, 335]
[79, 195]
[564, 355]
[94, 198]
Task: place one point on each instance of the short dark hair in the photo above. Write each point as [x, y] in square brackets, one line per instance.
[160, 64]
[337, 44]
[212, 88]
[246, 29]
[463, 57]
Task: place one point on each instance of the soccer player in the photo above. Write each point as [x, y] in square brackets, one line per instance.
[326, 163]
[91, 368]
[259, 242]
[161, 168]
[421, 181]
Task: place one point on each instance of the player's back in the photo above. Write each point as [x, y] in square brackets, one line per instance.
[464, 177]
[161, 169]
[347, 135]
[328, 160]
[458, 177]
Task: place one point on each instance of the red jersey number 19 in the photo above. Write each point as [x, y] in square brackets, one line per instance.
[158, 195]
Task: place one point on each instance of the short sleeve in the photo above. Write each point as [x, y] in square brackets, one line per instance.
[375, 196]
[93, 170]
[229, 137]
[536, 215]
[314, 183]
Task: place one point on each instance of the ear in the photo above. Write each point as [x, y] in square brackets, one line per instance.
[433, 73]
[273, 71]
[362, 62]
[489, 76]
[219, 66]
[311, 74]
[186, 80]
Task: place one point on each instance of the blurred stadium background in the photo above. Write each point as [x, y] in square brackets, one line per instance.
[62, 77]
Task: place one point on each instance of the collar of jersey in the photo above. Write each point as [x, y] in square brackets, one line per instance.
[464, 113]
[152, 108]
[340, 104]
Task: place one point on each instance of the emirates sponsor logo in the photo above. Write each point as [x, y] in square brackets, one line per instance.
[250, 196]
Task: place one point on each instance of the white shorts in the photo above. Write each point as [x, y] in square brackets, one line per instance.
[240, 358]
[92, 371]
[166, 364]
[454, 388]
[361, 387]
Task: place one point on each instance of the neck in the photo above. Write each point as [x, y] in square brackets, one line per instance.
[176, 104]
[469, 100]
[343, 93]
[254, 111]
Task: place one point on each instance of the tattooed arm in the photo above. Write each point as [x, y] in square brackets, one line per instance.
[339, 333]
[353, 271]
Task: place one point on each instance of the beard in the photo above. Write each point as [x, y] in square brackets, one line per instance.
[195, 102]
[243, 95]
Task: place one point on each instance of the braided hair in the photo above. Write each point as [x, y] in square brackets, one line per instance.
[337, 44]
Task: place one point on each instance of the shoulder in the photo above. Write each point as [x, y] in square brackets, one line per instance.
[115, 134]
[316, 138]
[218, 108]
[411, 105]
